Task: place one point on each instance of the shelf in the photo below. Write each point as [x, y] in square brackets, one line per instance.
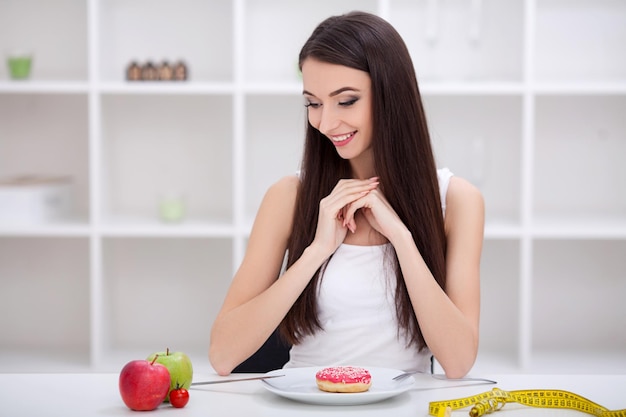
[524, 98]
[577, 295]
[579, 227]
[56, 35]
[259, 43]
[169, 148]
[154, 287]
[166, 88]
[482, 144]
[274, 143]
[500, 305]
[43, 87]
[152, 227]
[37, 279]
[454, 41]
[287, 88]
[71, 228]
[580, 88]
[580, 39]
[47, 136]
[496, 229]
[197, 32]
[578, 157]
[471, 88]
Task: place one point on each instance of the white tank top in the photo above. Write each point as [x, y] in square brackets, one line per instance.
[356, 308]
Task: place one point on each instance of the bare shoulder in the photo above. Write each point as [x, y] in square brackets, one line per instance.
[463, 190]
[271, 229]
[288, 184]
[464, 204]
[283, 192]
[276, 210]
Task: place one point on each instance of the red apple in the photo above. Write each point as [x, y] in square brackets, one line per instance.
[144, 384]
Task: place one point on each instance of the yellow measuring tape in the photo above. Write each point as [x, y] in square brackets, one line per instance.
[494, 400]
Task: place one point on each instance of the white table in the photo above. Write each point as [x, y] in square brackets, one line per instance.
[92, 394]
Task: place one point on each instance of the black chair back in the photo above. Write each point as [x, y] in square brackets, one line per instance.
[272, 355]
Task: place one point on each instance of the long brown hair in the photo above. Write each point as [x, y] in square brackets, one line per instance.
[403, 159]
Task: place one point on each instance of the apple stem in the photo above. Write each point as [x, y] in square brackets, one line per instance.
[154, 360]
[167, 352]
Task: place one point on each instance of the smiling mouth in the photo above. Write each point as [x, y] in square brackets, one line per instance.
[342, 138]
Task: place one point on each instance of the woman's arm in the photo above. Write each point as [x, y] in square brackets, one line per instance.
[256, 301]
[449, 320]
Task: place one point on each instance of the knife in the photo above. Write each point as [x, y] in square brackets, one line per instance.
[223, 381]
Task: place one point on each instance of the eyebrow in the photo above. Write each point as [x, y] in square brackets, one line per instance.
[334, 93]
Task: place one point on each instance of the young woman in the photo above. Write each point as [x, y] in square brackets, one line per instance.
[383, 250]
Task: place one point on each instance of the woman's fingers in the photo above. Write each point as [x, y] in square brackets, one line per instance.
[376, 210]
[347, 191]
[350, 210]
[332, 227]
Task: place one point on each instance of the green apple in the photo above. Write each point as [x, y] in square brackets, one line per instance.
[179, 365]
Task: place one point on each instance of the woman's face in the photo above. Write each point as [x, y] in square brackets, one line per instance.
[339, 104]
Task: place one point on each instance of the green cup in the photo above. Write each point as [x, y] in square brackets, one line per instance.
[172, 209]
[19, 66]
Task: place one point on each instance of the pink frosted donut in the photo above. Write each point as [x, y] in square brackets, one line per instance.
[343, 379]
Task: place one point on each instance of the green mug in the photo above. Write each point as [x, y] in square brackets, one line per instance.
[19, 66]
[172, 209]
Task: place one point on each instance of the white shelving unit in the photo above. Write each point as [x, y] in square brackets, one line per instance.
[526, 98]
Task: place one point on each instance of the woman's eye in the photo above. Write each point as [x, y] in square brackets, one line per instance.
[312, 105]
[348, 102]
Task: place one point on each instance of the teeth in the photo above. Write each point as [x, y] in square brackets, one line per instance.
[342, 137]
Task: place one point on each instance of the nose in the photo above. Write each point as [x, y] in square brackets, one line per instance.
[328, 120]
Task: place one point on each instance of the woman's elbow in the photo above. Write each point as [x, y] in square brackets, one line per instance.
[220, 363]
[463, 364]
[458, 371]
[460, 368]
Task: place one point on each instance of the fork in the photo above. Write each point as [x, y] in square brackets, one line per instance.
[404, 375]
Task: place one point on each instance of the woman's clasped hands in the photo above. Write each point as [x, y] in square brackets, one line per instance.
[338, 210]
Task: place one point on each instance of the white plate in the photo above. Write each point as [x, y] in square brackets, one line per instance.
[299, 384]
